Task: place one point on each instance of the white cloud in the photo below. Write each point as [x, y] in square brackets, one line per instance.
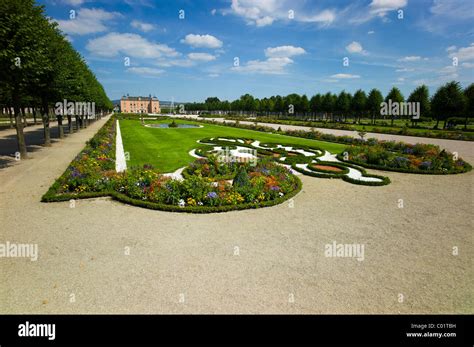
[405, 70]
[463, 53]
[201, 56]
[453, 9]
[213, 11]
[344, 76]
[170, 62]
[132, 45]
[213, 75]
[207, 41]
[277, 59]
[355, 47]
[87, 21]
[410, 58]
[382, 7]
[261, 22]
[370, 32]
[268, 66]
[265, 12]
[74, 2]
[147, 71]
[445, 14]
[451, 48]
[145, 27]
[468, 65]
[377, 8]
[283, 51]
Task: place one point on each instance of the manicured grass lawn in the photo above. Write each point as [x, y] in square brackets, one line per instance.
[167, 148]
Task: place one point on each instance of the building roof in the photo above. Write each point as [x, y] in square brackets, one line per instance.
[139, 98]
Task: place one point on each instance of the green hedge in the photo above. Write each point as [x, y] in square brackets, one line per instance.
[385, 180]
[344, 169]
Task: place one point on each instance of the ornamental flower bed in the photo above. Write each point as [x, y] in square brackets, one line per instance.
[399, 156]
[264, 182]
[92, 170]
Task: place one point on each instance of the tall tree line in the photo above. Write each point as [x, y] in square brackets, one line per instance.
[450, 100]
[39, 67]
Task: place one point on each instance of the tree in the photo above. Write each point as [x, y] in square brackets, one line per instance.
[422, 95]
[448, 101]
[469, 94]
[359, 104]
[22, 54]
[374, 100]
[328, 104]
[343, 103]
[315, 104]
[395, 96]
[304, 105]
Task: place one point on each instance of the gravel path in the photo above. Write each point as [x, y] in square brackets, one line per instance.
[115, 258]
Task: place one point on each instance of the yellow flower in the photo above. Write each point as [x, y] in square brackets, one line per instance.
[191, 202]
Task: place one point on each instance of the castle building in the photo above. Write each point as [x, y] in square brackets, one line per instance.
[139, 104]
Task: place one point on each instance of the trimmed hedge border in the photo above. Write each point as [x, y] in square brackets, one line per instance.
[344, 169]
[172, 208]
[384, 182]
[393, 169]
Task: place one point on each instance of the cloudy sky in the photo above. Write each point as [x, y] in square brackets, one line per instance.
[187, 50]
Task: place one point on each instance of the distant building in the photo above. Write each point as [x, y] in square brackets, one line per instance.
[139, 104]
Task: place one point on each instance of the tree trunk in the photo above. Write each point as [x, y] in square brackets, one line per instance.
[46, 129]
[69, 123]
[465, 122]
[34, 114]
[9, 110]
[60, 126]
[393, 118]
[20, 136]
[25, 122]
[77, 123]
[437, 123]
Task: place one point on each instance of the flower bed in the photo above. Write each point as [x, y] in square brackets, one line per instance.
[266, 182]
[91, 172]
[206, 187]
[403, 157]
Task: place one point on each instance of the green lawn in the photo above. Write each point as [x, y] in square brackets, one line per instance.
[167, 149]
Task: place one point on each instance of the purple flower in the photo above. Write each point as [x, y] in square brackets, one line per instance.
[425, 165]
[275, 188]
[212, 195]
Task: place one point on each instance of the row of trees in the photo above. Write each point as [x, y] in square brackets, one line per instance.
[448, 101]
[39, 67]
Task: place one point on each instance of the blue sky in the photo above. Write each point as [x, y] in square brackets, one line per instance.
[227, 48]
